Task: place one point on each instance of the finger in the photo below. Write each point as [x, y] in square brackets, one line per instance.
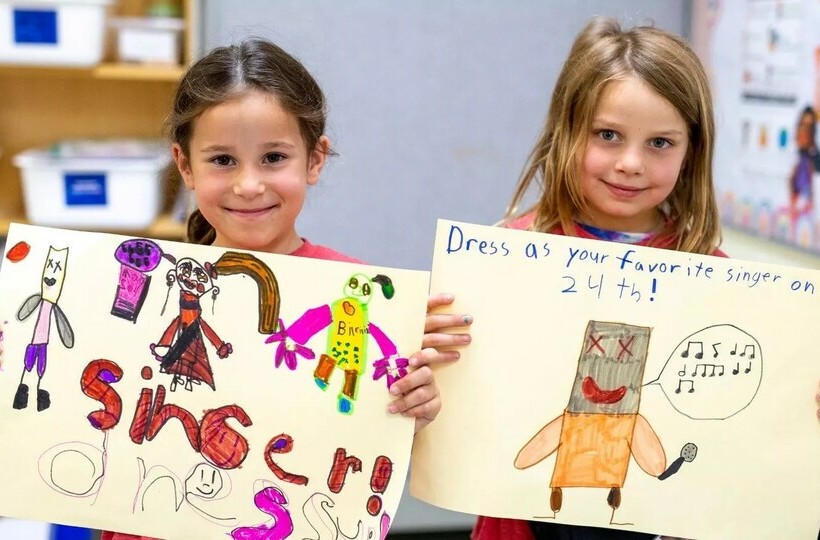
[445, 340]
[418, 377]
[427, 410]
[414, 399]
[429, 356]
[438, 300]
[438, 321]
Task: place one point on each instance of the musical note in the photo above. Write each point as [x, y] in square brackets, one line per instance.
[705, 366]
[714, 347]
[682, 372]
[734, 351]
[698, 355]
[691, 385]
[746, 348]
[748, 369]
[737, 369]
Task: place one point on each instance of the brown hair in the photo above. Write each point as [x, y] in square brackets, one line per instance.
[227, 72]
[601, 53]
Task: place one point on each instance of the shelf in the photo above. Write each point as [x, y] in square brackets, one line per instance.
[111, 71]
[164, 228]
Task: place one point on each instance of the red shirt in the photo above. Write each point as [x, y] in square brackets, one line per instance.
[308, 250]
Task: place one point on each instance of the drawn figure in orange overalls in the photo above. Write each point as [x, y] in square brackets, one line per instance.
[601, 425]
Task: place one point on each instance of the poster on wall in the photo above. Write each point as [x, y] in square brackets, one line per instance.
[625, 387]
[182, 391]
[763, 62]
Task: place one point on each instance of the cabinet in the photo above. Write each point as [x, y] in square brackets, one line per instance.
[40, 105]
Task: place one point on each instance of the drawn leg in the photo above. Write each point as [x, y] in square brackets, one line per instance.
[614, 501]
[43, 398]
[556, 499]
[323, 371]
[348, 394]
[21, 396]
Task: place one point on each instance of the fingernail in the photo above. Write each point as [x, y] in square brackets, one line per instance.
[391, 408]
[465, 338]
[395, 390]
[413, 361]
[448, 296]
[456, 355]
[467, 319]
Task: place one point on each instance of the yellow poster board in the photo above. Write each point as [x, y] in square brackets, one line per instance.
[627, 387]
[183, 391]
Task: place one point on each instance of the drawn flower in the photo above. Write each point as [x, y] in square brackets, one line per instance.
[287, 349]
[393, 372]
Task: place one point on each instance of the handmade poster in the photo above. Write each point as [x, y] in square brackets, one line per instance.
[763, 61]
[183, 391]
[626, 387]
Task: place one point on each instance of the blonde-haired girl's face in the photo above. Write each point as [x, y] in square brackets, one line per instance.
[635, 150]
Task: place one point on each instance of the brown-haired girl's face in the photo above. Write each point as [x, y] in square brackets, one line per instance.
[249, 169]
[634, 153]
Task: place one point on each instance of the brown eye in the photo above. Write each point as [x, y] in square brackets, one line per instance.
[353, 283]
[366, 289]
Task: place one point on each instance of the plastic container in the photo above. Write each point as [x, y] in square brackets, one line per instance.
[112, 185]
[155, 40]
[55, 32]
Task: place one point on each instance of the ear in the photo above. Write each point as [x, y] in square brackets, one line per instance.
[317, 158]
[183, 165]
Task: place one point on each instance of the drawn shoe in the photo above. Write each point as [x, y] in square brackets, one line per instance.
[345, 405]
[321, 383]
[21, 397]
[43, 400]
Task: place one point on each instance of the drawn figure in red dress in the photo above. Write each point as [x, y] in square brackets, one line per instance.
[181, 349]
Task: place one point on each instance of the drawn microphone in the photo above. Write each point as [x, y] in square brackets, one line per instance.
[687, 453]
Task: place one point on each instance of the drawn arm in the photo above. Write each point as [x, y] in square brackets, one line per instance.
[647, 448]
[386, 345]
[28, 307]
[168, 335]
[63, 327]
[222, 349]
[311, 323]
[541, 446]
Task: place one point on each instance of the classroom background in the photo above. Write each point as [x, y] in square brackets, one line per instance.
[433, 106]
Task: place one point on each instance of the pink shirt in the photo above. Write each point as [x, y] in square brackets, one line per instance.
[308, 250]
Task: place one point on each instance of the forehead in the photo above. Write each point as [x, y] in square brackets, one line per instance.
[632, 102]
[253, 117]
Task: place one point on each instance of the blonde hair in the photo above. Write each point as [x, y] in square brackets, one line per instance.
[229, 71]
[601, 53]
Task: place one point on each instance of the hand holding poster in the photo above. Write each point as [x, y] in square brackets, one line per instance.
[184, 391]
[627, 387]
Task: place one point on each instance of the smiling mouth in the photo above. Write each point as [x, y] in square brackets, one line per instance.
[252, 211]
[622, 191]
[595, 394]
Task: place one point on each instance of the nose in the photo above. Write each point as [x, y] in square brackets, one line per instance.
[630, 161]
[248, 183]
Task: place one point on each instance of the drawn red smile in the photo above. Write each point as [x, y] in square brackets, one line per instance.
[593, 393]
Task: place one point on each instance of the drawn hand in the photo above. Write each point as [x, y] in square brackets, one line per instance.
[287, 349]
[392, 368]
[420, 397]
[159, 351]
[224, 350]
[438, 331]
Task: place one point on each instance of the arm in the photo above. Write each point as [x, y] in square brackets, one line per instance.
[545, 442]
[386, 345]
[310, 323]
[63, 327]
[28, 307]
[647, 448]
[223, 349]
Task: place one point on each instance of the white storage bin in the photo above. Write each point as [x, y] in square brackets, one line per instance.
[52, 32]
[81, 187]
[149, 39]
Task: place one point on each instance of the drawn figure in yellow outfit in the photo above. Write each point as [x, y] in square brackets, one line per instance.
[601, 425]
[347, 338]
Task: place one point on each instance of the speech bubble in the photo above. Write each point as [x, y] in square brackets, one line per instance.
[712, 374]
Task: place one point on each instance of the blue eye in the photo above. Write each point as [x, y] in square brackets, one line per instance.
[607, 135]
[660, 142]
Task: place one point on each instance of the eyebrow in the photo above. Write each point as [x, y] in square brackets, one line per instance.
[267, 146]
[618, 125]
